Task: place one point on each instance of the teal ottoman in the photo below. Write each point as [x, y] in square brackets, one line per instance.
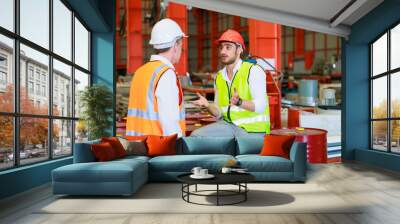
[118, 177]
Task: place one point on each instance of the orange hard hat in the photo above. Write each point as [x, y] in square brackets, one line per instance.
[232, 36]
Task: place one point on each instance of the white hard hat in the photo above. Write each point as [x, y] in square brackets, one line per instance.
[164, 34]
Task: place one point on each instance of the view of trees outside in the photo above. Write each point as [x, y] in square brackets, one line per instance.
[33, 131]
[379, 128]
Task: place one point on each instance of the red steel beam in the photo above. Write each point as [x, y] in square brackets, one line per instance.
[117, 37]
[200, 37]
[265, 42]
[134, 35]
[299, 47]
[179, 13]
[236, 23]
[213, 37]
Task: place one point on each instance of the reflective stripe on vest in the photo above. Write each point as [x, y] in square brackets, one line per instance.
[143, 117]
[233, 108]
[259, 118]
[250, 121]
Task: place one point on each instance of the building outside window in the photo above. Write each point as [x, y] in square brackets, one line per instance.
[43, 90]
[30, 72]
[38, 89]
[43, 78]
[34, 74]
[3, 61]
[30, 87]
[3, 71]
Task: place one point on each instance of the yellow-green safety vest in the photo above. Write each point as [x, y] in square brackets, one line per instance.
[250, 121]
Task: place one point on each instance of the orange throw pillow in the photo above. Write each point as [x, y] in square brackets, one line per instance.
[277, 145]
[161, 145]
[116, 145]
[103, 152]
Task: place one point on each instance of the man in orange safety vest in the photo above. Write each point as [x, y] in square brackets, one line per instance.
[156, 99]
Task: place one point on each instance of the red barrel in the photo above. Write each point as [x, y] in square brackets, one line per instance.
[316, 140]
[316, 144]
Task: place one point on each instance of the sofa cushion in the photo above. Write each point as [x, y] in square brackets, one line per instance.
[112, 171]
[83, 152]
[130, 158]
[161, 145]
[135, 138]
[257, 163]
[134, 147]
[249, 145]
[277, 145]
[103, 152]
[185, 163]
[206, 145]
[116, 145]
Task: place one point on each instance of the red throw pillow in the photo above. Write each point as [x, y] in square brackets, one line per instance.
[116, 145]
[161, 145]
[103, 152]
[136, 138]
[277, 145]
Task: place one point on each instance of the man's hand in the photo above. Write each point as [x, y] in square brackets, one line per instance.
[235, 98]
[201, 102]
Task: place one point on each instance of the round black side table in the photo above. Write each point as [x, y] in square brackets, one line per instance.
[238, 179]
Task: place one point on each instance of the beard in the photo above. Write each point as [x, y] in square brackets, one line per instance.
[227, 61]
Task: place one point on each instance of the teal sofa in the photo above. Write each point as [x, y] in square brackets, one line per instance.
[125, 176]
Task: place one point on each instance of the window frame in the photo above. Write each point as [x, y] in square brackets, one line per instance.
[16, 114]
[388, 74]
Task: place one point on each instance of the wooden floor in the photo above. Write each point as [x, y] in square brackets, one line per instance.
[379, 190]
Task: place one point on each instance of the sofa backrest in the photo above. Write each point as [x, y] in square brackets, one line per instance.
[83, 152]
[249, 145]
[206, 145]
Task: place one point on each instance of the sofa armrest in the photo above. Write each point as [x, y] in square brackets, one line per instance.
[298, 155]
[83, 152]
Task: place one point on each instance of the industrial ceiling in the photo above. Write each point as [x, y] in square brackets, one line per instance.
[326, 16]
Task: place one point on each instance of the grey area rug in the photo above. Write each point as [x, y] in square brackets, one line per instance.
[166, 198]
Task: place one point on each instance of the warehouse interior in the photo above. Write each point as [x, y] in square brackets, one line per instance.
[305, 65]
[331, 69]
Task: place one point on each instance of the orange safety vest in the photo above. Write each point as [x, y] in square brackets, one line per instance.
[143, 117]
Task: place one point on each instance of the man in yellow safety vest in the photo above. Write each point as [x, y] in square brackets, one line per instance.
[240, 100]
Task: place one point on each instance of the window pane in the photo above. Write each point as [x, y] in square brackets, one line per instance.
[379, 97]
[62, 89]
[395, 136]
[62, 29]
[7, 14]
[62, 138]
[6, 142]
[33, 140]
[81, 81]
[395, 95]
[395, 47]
[35, 21]
[34, 72]
[81, 131]
[6, 74]
[81, 45]
[379, 55]
[379, 135]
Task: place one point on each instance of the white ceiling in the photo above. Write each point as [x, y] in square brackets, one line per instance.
[315, 15]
